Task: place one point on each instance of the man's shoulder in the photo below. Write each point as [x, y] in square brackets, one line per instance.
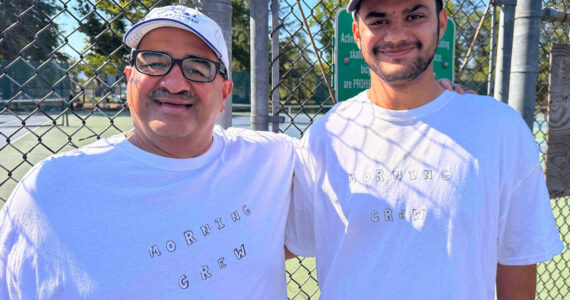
[234, 134]
[483, 102]
[252, 141]
[498, 120]
[88, 151]
[73, 160]
[486, 107]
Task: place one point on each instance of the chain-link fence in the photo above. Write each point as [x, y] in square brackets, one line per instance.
[62, 86]
[554, 276]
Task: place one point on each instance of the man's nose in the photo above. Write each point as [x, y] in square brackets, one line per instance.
[174, 81]
[396, 32]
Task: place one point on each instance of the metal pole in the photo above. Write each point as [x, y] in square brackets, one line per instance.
[490, 83]
[221, 12]
[524, 64]
[504, 50]
[259, 62]
[275, 24]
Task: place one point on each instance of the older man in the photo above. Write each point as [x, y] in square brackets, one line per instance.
[175, 208]
[407, 191]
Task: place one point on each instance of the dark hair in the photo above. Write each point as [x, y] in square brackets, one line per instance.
[438, 7]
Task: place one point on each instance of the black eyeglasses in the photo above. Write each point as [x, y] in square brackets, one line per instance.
[193, 68]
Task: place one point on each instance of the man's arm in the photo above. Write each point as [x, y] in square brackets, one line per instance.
[289, 254]
[516, 282]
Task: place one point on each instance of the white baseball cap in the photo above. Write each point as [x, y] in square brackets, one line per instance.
[182, 17]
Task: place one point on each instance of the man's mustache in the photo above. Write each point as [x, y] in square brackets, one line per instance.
[183, 95]
[390, 45]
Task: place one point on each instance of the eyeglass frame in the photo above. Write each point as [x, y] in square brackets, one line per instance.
[220, 68]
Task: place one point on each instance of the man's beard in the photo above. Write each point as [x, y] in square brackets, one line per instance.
[412, 71]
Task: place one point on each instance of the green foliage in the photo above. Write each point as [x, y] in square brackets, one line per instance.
[240, 35]
[322, 27]
[106, 21]
[28, 30]
[105, 24]
[297, 76]
[467, 16]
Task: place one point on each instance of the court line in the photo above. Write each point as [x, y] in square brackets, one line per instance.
[32, 123]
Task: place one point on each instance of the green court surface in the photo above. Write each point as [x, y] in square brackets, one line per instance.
[302, 284]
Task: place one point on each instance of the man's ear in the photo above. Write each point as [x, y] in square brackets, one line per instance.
[442, 22]
[128, 72]
[227, 86]
[356, 34]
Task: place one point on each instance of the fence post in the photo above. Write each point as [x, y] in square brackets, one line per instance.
[492, 50]
[259, 64]
[275, 24]
[221, 12]
[504, 50]
[524, 63]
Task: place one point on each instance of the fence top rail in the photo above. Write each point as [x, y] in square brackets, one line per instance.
[5, 101]
[289, 105]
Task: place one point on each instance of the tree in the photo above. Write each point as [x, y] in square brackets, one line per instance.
[105, 24]
[240, 35]
[322, 27]
[467, 16]
[298, 76]
[28, 30]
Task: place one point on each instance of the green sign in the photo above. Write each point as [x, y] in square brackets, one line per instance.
[351, 72]
[444, 58]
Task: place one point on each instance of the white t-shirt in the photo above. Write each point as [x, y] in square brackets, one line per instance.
[110, 221]
[419, 204]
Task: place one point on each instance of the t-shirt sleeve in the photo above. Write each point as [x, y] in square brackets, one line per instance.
[17, 276]
[527, 231]
[26, 272]
[300, 231]
[6, 241]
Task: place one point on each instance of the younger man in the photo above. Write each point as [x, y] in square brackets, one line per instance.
[407, 191]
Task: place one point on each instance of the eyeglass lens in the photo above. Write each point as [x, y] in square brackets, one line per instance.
[159, 64]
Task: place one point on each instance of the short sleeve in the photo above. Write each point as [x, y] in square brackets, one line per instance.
[527, 231]
[17, 277]
[6, 241]
[300, 230]
[26, 266]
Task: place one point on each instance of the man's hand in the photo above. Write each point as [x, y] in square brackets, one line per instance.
[289, 254]
[516, 282]
[448, 85]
